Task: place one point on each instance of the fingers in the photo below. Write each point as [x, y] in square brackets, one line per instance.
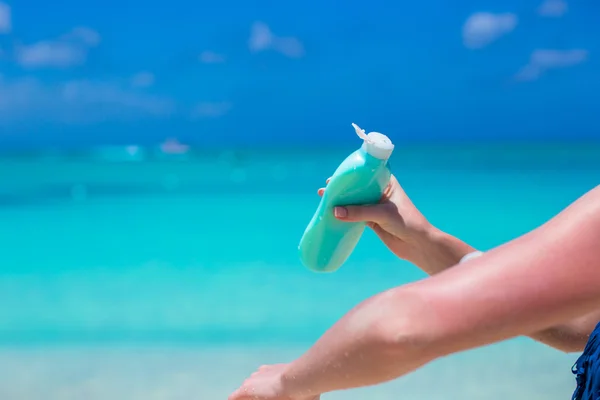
[374, 213]
[243, 393]
[382, 233]
[371, 213]
[251, 388]
[239, 394]
[322, 190]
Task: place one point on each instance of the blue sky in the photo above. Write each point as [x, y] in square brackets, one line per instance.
[128, 71]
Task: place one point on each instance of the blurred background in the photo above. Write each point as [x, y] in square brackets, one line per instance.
[159, 163]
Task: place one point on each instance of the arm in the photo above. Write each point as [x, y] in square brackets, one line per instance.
[442, 251]
[547, 276]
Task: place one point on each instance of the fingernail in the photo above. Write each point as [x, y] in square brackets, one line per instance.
[340, 212]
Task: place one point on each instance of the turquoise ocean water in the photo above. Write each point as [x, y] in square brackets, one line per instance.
[148, 277]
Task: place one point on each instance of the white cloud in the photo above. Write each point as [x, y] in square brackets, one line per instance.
[83, 35]
[289, 46]
[544, 60]
[73, 101]
[71, 49]
[143, 79]
[210, 110]
[50, 54]
[209, 57]
[81, 101]
[553, 8]
[110, 94]
[5, 18]
[483, 28]
[262, 39]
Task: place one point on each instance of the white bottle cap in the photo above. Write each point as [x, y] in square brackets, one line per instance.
[375, 144]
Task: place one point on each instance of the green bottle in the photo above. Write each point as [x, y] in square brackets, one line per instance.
[360, 179]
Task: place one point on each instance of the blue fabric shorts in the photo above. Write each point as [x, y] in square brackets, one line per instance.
[587, 369]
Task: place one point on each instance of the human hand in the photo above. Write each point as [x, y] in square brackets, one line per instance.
[395, 219]
[267, 384]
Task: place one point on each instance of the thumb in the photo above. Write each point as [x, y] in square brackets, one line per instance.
[371, 213]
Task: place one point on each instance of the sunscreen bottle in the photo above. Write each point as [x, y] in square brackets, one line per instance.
[359, 180]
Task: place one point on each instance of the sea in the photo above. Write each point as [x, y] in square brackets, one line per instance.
[130, 273]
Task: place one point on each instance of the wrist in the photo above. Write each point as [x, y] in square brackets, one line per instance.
[291, 385]
[436, 251]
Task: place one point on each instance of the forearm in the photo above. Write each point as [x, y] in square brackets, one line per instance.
[436, 251]
[377, 341]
